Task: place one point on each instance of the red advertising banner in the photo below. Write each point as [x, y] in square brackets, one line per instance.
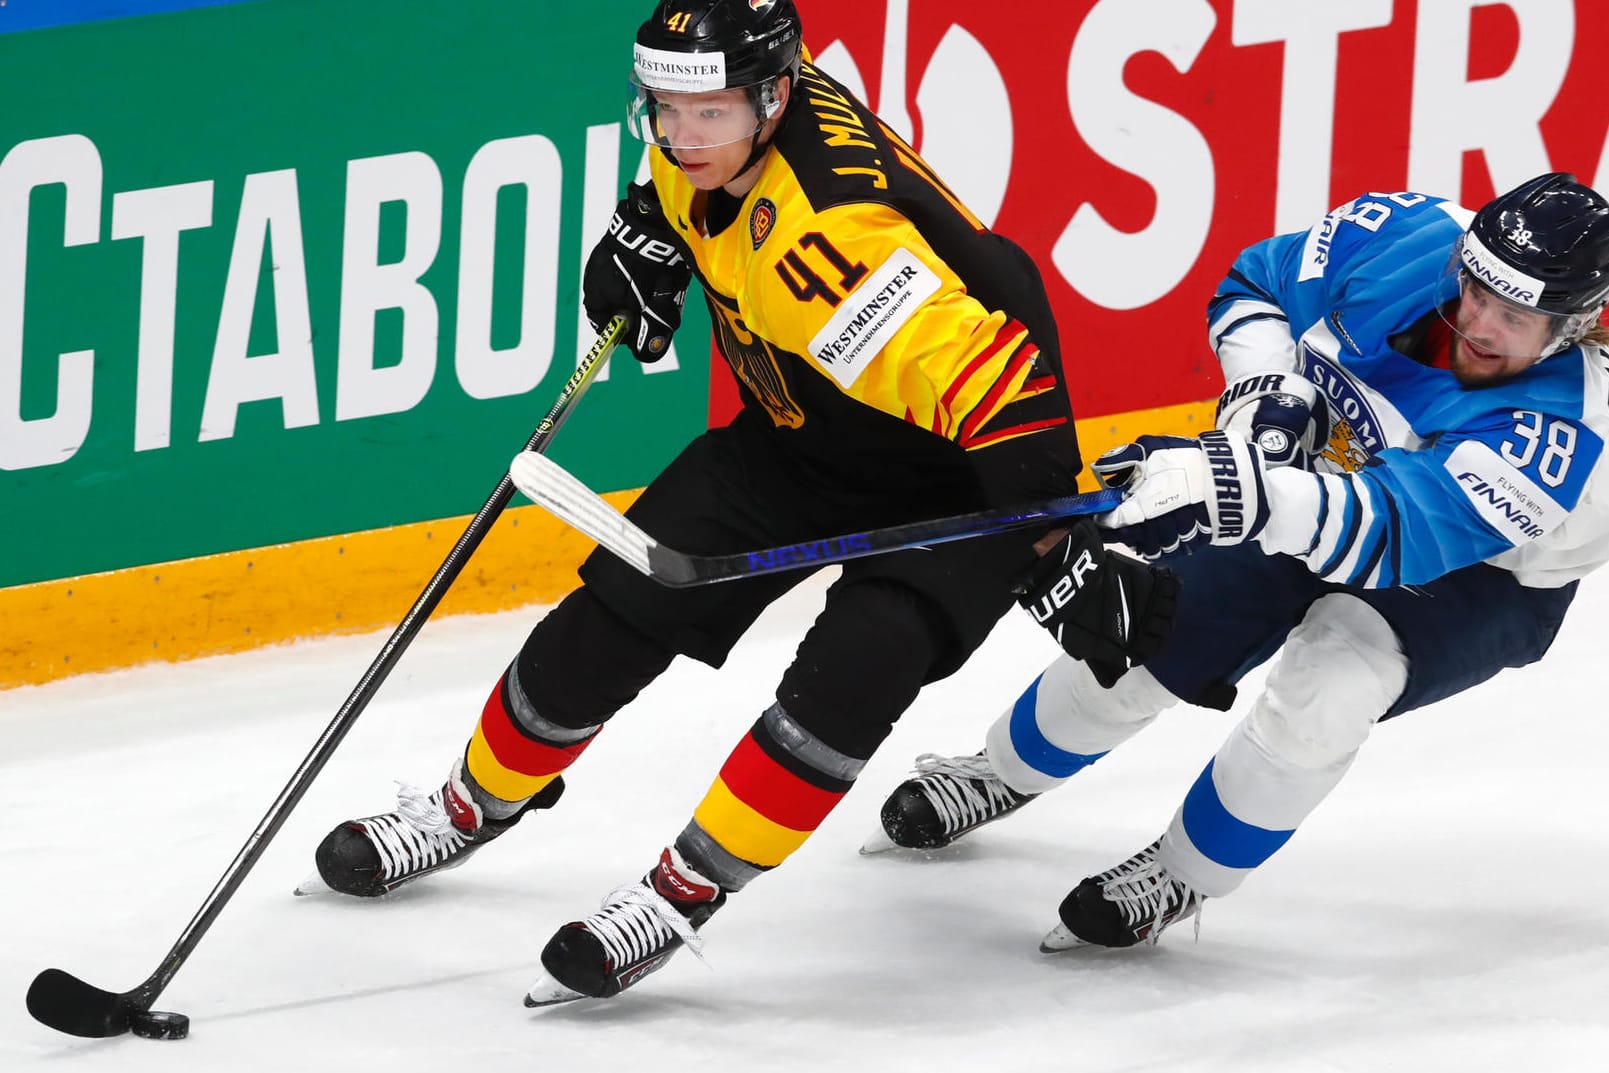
[1134, 147]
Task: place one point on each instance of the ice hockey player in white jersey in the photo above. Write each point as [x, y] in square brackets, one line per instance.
[1404, 486]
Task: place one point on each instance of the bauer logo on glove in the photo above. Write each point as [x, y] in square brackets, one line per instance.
[1102, 607]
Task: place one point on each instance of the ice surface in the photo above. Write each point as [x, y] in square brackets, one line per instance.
[1446, 909]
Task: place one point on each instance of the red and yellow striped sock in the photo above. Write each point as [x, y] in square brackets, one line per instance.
[766, 801]
[511, 760]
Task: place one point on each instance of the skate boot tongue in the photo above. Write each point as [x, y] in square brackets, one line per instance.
[678, 884]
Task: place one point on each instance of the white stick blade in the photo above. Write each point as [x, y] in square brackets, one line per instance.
[566, 498]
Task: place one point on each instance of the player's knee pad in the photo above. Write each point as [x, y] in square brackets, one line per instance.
[862, 663]
[582, 663]
[1341, 669]
[1066, 720]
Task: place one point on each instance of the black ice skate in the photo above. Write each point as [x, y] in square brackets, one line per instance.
[949, 796]
[1122, 906]
[427, 833]
[638, 929]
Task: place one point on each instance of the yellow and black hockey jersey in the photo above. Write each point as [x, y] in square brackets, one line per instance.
[877, 324]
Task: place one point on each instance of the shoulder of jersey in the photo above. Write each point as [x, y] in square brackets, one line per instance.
[835, 147]
[1384, 234]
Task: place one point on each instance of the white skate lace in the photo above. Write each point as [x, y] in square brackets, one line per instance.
[1145, 892]
[416, 836]
[964, 790]
[636, 921]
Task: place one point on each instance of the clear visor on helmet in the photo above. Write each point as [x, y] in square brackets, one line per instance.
[1495, 309]
[702, 119]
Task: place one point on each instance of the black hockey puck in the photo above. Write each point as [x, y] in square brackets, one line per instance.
[154, 1024]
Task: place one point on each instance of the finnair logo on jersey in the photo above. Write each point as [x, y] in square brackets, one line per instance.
[679, 72]
[1316, 250]
[1509, 282]
[866, 320]
[1510, 501]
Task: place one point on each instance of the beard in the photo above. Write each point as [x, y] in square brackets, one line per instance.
[1472, 370]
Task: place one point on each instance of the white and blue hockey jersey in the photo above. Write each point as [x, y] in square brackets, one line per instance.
[1421, 475]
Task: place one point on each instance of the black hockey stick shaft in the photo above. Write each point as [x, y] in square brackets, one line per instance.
[682, 570]
[550, 484]
[64, 1002]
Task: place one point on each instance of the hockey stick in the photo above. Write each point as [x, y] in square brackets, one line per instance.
[66, 1003]
[550, 484]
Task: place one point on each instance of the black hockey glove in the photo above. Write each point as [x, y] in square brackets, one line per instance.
[1107, 609]
[638, 269]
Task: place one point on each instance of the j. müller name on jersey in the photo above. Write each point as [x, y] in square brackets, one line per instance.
[865, 321]
[1230, 496]
[842, 129]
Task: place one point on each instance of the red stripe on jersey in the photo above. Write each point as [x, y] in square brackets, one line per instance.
[992, 404]
[773, 791]
[517, 752]
[1011, 433]
[1010, 333]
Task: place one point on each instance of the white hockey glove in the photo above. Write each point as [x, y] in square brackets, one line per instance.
[1282, 413]
[1182, 493]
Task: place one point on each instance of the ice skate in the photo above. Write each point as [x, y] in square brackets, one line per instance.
[949, 796]
[427, 833]
[635, 933]
[1129, 904]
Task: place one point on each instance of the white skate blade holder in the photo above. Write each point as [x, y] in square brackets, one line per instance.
[549, 992]
[877, 842]
[1059, 939]
[313, 884]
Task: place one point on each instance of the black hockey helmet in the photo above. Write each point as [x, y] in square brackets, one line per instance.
[1544, 248]
[742, 43]
[701, 46]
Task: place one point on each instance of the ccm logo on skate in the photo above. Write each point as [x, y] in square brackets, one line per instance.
[637, 972]
[1067, 586]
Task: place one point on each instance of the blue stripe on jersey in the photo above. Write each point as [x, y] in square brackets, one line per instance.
[1032, 746]
[1221, 837]
[1351, 513]
[1241, 278]
[1247, 319]
[18, 15]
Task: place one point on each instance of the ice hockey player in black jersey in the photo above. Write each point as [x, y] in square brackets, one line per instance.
[897, 361]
